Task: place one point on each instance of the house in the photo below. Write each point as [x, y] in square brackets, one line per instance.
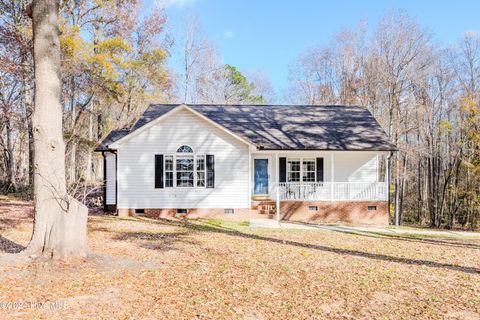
[314, 163]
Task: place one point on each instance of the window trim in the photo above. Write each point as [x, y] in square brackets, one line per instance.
[189, 157]
[177, 155]
[301, 169]
[165, 171]
[314, 160]
[185, 149]
[290, 171]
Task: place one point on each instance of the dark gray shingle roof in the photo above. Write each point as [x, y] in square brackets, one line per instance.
[291, 127]
[111, 138]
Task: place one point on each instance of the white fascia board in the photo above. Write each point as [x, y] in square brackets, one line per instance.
[198, 114]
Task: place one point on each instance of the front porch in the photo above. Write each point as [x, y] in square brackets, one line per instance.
[323, 186]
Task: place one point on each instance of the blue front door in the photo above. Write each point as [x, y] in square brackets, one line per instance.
[260, 171]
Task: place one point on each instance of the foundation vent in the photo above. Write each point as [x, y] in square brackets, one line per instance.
[312, 208]
[228, 211]
[182, 211]
[372, 208]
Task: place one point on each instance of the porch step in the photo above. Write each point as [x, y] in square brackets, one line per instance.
[261, 197]
[267, 207]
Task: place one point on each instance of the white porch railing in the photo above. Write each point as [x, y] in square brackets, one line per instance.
[325, 191]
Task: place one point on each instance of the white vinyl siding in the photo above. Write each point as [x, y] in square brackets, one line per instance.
[356, 166]
[110, 175]
[136, 165]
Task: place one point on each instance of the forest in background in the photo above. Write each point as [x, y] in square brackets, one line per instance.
[114, 62]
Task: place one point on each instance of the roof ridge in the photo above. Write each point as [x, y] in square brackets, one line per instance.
[257, 105]
[296, 127]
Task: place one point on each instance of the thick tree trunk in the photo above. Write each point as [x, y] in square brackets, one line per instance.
[60, 221]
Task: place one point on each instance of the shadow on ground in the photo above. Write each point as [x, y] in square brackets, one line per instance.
[156, 241]
[401, 237]
[382, 257]
[9, 246]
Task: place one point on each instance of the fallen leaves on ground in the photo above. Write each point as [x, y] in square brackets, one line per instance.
[144, 268]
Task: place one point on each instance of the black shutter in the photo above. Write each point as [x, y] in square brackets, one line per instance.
[159, 171]
[282, 170]
[319, 169]
[210, 171]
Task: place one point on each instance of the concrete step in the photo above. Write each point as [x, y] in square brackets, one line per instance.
[272, 212]
[265, 207]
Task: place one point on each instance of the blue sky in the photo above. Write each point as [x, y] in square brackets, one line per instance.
[267, 36]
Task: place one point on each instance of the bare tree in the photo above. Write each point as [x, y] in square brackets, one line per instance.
[426, 98]
[200, 61]
[262, 87]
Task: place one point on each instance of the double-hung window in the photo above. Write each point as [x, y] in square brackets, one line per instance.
[185, 170]
[301, 170]
[168, 171]
[308, 170]
[293, 170]
[200, 168]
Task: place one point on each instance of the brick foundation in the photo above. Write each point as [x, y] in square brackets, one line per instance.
[355, 212]
[241, 214]
[340, 211]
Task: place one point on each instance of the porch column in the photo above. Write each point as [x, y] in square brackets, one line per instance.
[377, 181]
[277, 180]
[250, 192]
[332, 188]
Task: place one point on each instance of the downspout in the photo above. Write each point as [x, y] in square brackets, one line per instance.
[277, 178]
[116, 181]
[104, 182]
[105, 178]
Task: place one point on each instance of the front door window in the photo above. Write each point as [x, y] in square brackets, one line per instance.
[260, 169]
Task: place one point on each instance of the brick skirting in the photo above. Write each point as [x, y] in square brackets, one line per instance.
[242, 214]
[356, 212]
[336, 211]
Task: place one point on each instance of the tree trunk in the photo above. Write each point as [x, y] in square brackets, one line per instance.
[72, 162]
[28, 113]
[12, 181]
[73, 145]
[60, 221]
[397, 190]
[88, 168]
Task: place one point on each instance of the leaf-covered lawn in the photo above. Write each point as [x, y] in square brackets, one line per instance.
[154, 269]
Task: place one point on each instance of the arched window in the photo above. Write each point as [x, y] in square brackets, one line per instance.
[186, 169]
[185, 149]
